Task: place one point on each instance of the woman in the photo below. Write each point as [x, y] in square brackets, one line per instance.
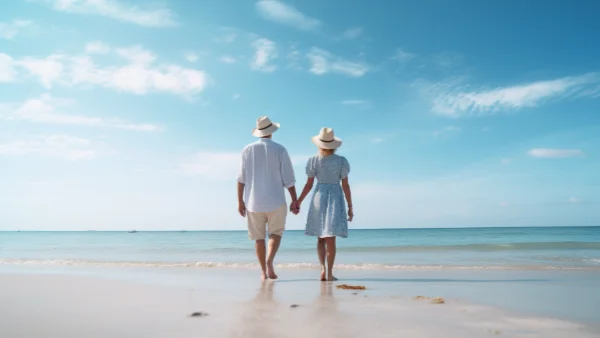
[327, 212]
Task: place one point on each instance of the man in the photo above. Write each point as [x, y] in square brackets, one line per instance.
[266, 171]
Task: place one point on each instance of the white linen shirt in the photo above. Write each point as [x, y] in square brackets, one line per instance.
[266, 170]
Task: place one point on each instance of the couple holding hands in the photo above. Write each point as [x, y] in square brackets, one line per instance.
[266, 171]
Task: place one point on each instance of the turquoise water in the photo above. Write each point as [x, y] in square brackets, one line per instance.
[465, 248]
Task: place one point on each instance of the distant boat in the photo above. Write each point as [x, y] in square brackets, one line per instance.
[132, 231]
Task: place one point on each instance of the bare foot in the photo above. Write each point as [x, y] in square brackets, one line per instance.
[331, 278]
[264, 277]
[323, 278]
[271, 271]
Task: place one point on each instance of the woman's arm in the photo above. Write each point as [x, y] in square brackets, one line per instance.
[307, 188]
[348, 193]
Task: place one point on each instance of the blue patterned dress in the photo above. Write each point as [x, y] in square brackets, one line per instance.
[327, 215]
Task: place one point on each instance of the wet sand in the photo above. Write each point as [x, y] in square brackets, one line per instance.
[235, 305]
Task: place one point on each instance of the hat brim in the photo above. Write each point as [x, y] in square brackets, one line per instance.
[266, 132]
[336, 143]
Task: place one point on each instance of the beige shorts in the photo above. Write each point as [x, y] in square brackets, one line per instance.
[257, 223]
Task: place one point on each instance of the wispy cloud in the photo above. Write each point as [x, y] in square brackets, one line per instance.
[281, 13]
[555, 153]
[264, 52]
[506, 161]
[403, 56]
[48, 69]
[447, 130]
[191, 57]
[138, 72]
[9, 30]
[323, 62]
[236, 96]
[97, 47]
[212, 165]
[377, 140]
[7, 68]
[228, 59]
[119, 10]
[62, 146]
[453, 100]
[574, 200]
[354, 102]
[352, 33]
[46, 109]
[229, 35]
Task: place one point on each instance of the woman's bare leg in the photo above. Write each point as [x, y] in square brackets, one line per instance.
[321, 253]
[331, 251]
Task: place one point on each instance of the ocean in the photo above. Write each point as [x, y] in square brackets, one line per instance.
[549, 248]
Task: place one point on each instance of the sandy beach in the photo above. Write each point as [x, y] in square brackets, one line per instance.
[235, 303]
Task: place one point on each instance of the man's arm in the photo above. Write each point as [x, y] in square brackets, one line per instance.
[241, 179]
[241, 204]
[289, 181]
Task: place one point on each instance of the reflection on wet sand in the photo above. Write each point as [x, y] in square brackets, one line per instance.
[259, 315]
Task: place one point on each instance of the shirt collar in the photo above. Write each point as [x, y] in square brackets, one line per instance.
[264, 140]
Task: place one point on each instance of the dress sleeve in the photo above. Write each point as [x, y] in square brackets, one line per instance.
[310, 168]
[345, 168]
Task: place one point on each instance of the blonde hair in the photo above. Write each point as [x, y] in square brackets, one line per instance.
[326, 152]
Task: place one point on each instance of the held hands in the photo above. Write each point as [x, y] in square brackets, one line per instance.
[295, 207]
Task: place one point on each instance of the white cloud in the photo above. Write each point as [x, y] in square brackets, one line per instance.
[236, 96]
[9, 30]
[228, 59]
[229, 36]
[97, 47]
[352, 33]
[377, 140]
[285, 14]
[137, 55]
[191, 57]
[212, 165]
[506, 161]
[62, 146]
[323, 62]
[447, 130]
[47, 69]
[555, 153]
[354, 102]
[148, 16]
[451, 100]
[574, 200]
[7, 71]
[138, 72]
[46, 109]
[403, 56]
[265, 51]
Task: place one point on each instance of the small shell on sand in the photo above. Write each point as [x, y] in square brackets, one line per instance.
[294, 305]
[351, 287]
[199, 314]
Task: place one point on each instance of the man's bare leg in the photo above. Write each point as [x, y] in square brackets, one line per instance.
[274, 242]
[321, 253]
[331, 251]
[261, 254]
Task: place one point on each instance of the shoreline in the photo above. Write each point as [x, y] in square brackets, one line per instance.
[474, 302]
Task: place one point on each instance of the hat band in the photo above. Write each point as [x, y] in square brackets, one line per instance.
[265, 127]
[322, 140]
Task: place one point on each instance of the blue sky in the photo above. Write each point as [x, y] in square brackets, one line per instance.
[120, 114]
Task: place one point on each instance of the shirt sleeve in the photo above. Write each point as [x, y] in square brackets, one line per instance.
[310, 168]
[287, 170]
[345, 168]
[241, 177]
